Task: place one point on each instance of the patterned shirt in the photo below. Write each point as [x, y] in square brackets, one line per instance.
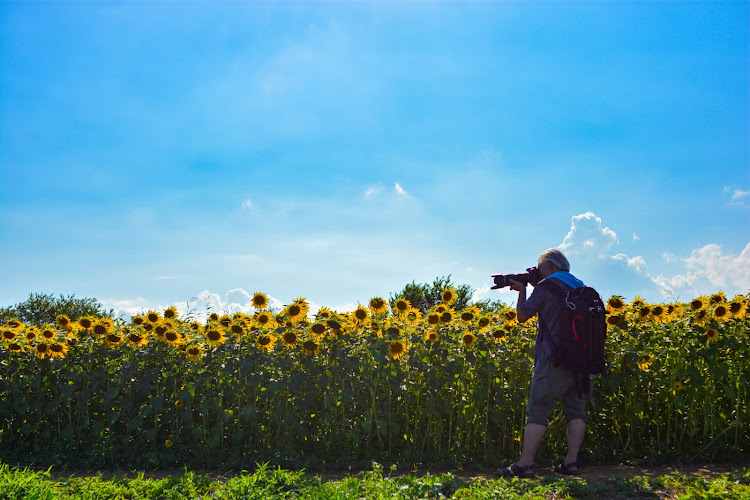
[551, 310]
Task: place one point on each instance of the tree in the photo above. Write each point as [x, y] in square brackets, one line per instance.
[41, 308]
[424, 295]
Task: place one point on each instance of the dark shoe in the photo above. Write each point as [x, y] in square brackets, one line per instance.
[563, 468]
[523, 472]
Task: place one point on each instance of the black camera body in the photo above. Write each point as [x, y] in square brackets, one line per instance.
[532, 275]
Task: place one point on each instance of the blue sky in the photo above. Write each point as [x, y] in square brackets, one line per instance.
[159, 153]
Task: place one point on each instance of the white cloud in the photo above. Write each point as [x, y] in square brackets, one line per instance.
[587, 237]
[636, 263]
[739, 194]
[399, 190]
[372, 191]
[248, 204]
[636, 237]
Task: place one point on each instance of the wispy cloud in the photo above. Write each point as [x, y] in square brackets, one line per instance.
[399, 190]
[737, 197]
[248, 204]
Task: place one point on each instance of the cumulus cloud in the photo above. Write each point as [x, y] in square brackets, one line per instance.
[636, 263]
[708, 268]
[587, 237]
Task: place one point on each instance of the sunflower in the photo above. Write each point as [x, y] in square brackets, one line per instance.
[138, 320]
[712, 334]
[701, 316]
[433, 319]
[160, 329]
[401, 305]
[102, 327]
[361, 315]
[42, 350]
[49, 333]
[194, 353]
[63, 322]
[225, 320]
[378, 305]
[168, 443]
[213, 317]
[324, 313]
[264, 319]
[334, 326]
[397, 349]
[170, 312]
[153, 316]
[31, 333]
[721, 312]
[237, 328]
[318, 330]
[15, 324]
[738, 306]
[638, 302]
[469, 314]
[441, 308]
[448, 296]
[510, 315]
[644, 312]
[615, 304]
[677, 385]
[447, 316]
[614, 319]
[646, 361]
[468, 339]
[114, 339]
[413, 315]
[289, 338]
[9, 335]
[259, 300]
[499, 335]
[265, 342]
[699, 303]
[431, 335]
[136, 339]
[717, 298]
[173, 337]
[58, 349]
[15, 347]
[311, 348]
[215, 337]
[179, 403]
[484, 322]
[85, 323]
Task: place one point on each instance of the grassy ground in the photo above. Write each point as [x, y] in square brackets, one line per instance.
[266, 483]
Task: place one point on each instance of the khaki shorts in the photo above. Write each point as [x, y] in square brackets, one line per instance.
[549, 385]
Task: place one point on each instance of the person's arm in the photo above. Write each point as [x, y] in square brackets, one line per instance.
[521, 288]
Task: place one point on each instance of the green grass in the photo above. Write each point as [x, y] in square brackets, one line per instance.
[267, 483]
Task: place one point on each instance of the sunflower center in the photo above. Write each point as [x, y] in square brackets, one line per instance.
[213, 335]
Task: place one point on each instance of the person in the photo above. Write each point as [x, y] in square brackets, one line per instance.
[549, 383]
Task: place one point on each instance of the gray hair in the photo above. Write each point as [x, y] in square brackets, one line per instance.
[556, 257]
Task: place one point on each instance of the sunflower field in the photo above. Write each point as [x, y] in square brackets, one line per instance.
[383, 382]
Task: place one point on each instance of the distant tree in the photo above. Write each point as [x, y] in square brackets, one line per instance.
[424, 295]
[41, 308]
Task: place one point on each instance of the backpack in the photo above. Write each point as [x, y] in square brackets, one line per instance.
[580, 345]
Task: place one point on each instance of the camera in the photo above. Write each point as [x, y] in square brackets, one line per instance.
[532, 275]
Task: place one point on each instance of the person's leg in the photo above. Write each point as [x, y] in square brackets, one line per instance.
[532, 438]
[576, 431]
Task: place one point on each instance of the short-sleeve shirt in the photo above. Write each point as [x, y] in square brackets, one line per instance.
[552, 314]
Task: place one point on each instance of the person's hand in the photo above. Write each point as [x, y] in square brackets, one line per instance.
[517, 285]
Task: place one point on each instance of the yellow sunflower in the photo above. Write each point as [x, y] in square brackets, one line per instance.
[136, 339]
[15, 347]
[213, 317]
[401, 305]
[677, 385]
[114, 339]
[510, 315]
[378, 305]
[712, 334]
[361, 315]
[237, 328]
[615, 303]
[58, 349]
[85, 323]
[265, 342]
[440, 308]
[48, 334]
[699, 303]
[484, 322]
[9, 335]
[63, 322]
[431, 335]
[433, 319]
[318, 330]
[738, 306]
[260, 300]
[264, 319]
[717, 298]
[42, 350]
[447, 316]
[225, 320]
[170, 312]
[646, 362]
[15, 324]
[102, 327]
[468, 339]
[701, 317]
[721, 312]
[324, 313]
[138, 320]
[153, 316]
[173, 337]
[499, 335]
[215, 337]
[448, 296]
[397, 349]
[469, 314]
[31, 333]
[413, 315]
[614, 319]
[194, 353]
[311, 348]
[289, 338]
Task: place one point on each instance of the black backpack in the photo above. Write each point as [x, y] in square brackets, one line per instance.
[580, 346]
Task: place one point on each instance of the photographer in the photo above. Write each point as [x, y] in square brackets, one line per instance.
[549, 383]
